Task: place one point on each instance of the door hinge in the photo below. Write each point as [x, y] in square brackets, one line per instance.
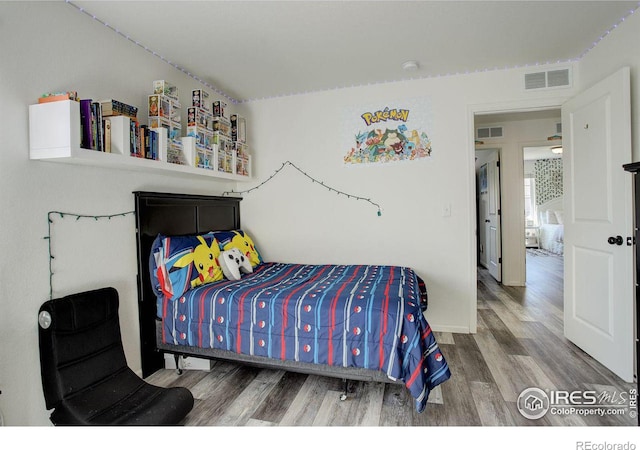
[499, 260]
[631, 240]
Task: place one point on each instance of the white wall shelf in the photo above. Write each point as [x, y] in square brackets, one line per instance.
[55, 134]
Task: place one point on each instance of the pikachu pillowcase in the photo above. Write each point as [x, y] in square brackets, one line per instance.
[180, 263]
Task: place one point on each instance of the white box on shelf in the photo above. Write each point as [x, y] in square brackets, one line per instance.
[121, 135]
[54, 129]
[188, 363]
[189, 150]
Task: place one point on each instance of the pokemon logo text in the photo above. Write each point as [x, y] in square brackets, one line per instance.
[384, 115]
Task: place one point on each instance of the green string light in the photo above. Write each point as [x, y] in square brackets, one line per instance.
[62, 215]
[329, 188]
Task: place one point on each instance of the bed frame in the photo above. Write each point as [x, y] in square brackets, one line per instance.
[184, 214]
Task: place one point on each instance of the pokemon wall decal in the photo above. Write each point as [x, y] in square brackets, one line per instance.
[390, 134]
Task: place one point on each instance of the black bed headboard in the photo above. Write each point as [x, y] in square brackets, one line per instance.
[171, 214]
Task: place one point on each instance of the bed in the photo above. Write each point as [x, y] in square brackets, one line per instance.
[551, 228]
[355, 322]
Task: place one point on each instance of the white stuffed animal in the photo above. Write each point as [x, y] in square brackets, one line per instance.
[232, 261]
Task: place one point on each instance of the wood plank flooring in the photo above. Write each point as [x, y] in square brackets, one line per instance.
[519, 344]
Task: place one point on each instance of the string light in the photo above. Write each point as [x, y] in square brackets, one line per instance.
[606, 33]
[62, 215]
[329, 188]
[292, 94]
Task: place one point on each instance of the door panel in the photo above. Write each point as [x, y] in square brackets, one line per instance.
[494, 230]
[596, 316]
[599, 283]
[593, 173]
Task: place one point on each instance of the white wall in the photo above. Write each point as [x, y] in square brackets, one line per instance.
[619, 49]
[41, 52]
[295, 219]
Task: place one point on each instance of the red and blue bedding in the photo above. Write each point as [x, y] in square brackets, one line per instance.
[339, 315]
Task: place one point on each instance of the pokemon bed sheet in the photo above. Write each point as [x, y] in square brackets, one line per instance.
[339, 315]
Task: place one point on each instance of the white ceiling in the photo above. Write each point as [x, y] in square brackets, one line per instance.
[247, 50]
[533, 153]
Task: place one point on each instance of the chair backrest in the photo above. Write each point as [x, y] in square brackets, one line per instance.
[80, 343]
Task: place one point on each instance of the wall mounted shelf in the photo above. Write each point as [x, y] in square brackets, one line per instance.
[55, 136]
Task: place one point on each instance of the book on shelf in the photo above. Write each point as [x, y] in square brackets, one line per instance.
[85, 123]
[135, 138]
[149, 143]
[144, 145]
[128, 137]
[107, 134]
[92, 122]
[161, 143]
[152, 152]
[97, 127]
[111, 107]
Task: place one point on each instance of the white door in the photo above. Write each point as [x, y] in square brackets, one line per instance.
[483, 219]
[599, 283]
[494, 236]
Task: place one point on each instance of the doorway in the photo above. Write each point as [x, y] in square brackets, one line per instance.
[507, 135]
[488, 214]
[598, 288]
[544, 223]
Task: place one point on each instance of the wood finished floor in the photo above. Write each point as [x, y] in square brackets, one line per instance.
[519, 344]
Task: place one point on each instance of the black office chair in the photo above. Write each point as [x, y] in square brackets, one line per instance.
[85, 376]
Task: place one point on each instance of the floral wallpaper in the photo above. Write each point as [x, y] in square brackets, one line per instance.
[548, 173]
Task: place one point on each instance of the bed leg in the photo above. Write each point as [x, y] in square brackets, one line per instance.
[343, 396]
[176, 357]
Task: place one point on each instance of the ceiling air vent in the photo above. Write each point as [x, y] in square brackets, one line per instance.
[549, 79]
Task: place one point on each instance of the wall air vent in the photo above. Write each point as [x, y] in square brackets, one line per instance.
[557, 78]
[536, 80]
[549, 79]
[489, 132]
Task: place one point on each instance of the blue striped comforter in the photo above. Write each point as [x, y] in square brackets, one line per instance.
[339, 315]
